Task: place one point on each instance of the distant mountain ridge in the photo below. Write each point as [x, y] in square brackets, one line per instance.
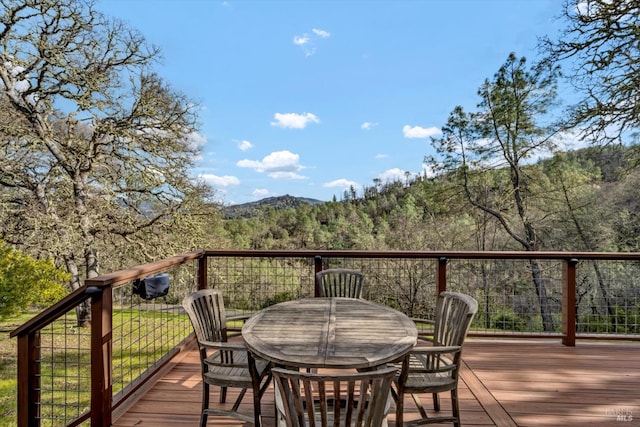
[252, 209]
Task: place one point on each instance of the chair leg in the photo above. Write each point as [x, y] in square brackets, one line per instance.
[256, 408]
[400, 411]
[436, 402]
[223, 394]
[455, 408]
[205, 404]
[419, 405]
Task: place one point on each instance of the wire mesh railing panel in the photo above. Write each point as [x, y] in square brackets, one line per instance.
[64, 365]
[608, 297]
[513, 295]
[406, 284]
[249, 284]
[145, 332]
[252, 283]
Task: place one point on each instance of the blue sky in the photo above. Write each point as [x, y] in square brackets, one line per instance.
[310, 97]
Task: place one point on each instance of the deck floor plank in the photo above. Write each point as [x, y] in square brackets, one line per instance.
[504, 382]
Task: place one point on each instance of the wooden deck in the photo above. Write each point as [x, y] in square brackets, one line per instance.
[504, 383]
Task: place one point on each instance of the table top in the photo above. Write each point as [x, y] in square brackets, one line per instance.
[330, 333]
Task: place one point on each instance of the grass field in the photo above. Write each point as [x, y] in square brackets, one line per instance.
[8, 366]
[137, 334]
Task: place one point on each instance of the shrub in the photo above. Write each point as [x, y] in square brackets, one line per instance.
[26, 282]
[508, 321]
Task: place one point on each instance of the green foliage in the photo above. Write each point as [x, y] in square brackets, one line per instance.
[600, 44]
[26, 282]
[508, 321]
[278, 298]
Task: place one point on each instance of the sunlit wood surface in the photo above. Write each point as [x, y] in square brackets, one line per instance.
[504, 383]
[330, 333]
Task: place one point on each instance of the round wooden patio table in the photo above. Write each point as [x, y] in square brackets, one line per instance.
[330, 333]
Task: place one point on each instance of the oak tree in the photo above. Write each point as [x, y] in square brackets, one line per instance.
[95, 148]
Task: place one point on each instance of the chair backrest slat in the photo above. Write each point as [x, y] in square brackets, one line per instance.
[340, 282]
[208, 317]
[454, 313]
[339, 400]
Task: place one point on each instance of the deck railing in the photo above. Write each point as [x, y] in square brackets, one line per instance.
[78, 376]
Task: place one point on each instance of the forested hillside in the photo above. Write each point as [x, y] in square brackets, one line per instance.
[582, 200]
[99, 151]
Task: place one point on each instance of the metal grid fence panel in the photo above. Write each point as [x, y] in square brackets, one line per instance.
[510, 293]
[608, 297]
[514, 296]
[250, 284]
[65, 371]
[146, 331]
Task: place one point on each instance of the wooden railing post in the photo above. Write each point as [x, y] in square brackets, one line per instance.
[317, 261]
[101, 349]
[441, 278]
[28, 379]
[569, 302]
[202, 272]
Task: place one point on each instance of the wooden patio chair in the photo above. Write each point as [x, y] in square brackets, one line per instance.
[340, 282]
[224, 364]
[435, 368]
[344, 399]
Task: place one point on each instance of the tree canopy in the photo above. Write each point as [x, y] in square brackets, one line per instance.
[96, 148]
[601, 46]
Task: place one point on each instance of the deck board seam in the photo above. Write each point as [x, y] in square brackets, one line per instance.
[486, 399]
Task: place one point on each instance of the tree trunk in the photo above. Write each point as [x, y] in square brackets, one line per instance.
[543, 300]
[83, 311]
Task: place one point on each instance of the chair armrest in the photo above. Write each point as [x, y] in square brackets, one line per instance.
[230, 346]
[436, 350]
[424, 333]
[239, 317]
[233, 330]
[425, 321]
[430, 360]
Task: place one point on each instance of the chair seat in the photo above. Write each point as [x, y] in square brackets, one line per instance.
[419, 380]
[237, 376]
[437, 381]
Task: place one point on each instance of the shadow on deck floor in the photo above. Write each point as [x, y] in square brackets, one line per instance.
[505, 382]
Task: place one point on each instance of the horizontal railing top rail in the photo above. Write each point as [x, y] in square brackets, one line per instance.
[52, 313]
[124, 276]
[548, 255]
[78, 296]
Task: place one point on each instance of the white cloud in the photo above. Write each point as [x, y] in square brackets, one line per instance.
[286, 175]
[307, 41]
[381, 156]
[394, 174]
[261, 192]
[244, 145]
[342, 183]
[321, 33]
[301, 40]
[368, 125]
[419, 132]
[278, 165]
[219, 181]
[428, 171]
[293, 120]
[197, 139]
